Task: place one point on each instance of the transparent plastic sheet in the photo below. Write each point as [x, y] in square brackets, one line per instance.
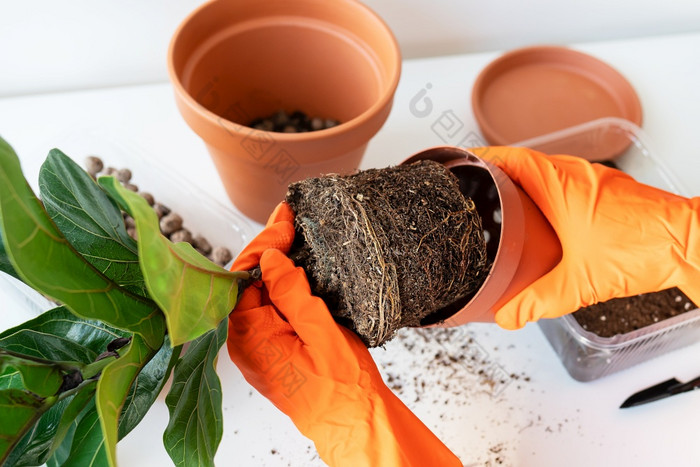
[585, 355]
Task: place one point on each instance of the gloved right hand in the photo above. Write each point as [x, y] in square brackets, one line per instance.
[287, 345]
[619, 237]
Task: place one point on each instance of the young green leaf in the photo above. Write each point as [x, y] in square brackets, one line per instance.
[88, 447]
[113, 388]
[72, 412]
[194, 402]
[194, 293]
[20, 410]
[47, 262]
[90, 221]
[147, 387]
[61, 453]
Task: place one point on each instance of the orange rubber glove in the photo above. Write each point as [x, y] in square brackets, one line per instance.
[287, 345]
[619, 237]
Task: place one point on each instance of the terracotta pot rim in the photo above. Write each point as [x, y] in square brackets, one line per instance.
[491, 134]
[510, 241]
[365, 117]
[510, 246]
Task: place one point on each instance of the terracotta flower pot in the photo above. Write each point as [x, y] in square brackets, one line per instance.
[521, 244]
[231, 62]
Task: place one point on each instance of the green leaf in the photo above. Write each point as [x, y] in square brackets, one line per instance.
[20, 410]
[61, 454]
[113, 388]
[90, 221]
[59, 335]
[147, 387]
[55, 430]
[141, 397]
[47, 262]
[71, 413]
[194, 402]
[88, 447]
[55, 335]
[10, 379]
[42, 378]
[34, 447]
[5, 264]
[194, 293]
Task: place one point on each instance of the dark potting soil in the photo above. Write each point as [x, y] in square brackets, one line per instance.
[623, 315]
[386, 247]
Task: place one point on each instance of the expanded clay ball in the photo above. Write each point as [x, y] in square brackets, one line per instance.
[182, 235]
[221, 255]
[316, 124]
[148, 197]
[161, 210]
[330, 123]
[129, 222]
[124, 175]
[296, 122]
[201, 244]
[93, 165]
[170, 223]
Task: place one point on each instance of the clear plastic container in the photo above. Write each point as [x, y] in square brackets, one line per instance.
[585, 355]
[220, 224]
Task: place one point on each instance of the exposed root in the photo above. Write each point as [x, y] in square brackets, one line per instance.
[387, 247]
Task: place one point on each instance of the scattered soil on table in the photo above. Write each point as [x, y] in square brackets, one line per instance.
[623, 315]
[448, 375]
[387, 247]
[457, 367]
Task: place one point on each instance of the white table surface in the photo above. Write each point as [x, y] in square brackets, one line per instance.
[543, 419]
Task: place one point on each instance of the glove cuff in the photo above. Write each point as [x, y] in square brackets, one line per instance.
[379, 431]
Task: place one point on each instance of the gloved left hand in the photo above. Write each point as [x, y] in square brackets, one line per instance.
[287, 345]
[619, 237]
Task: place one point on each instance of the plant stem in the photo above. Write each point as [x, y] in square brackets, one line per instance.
[95, 368]
[75, 390]
[64, 366]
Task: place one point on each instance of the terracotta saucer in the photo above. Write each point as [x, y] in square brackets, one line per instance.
[538, 90]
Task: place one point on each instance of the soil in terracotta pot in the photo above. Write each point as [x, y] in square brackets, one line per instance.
[386, 247]
[623, 315]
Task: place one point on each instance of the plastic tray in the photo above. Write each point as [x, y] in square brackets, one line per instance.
[585, 355]
[220, 224]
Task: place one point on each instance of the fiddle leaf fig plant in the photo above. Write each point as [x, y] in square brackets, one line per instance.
[79, 377]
